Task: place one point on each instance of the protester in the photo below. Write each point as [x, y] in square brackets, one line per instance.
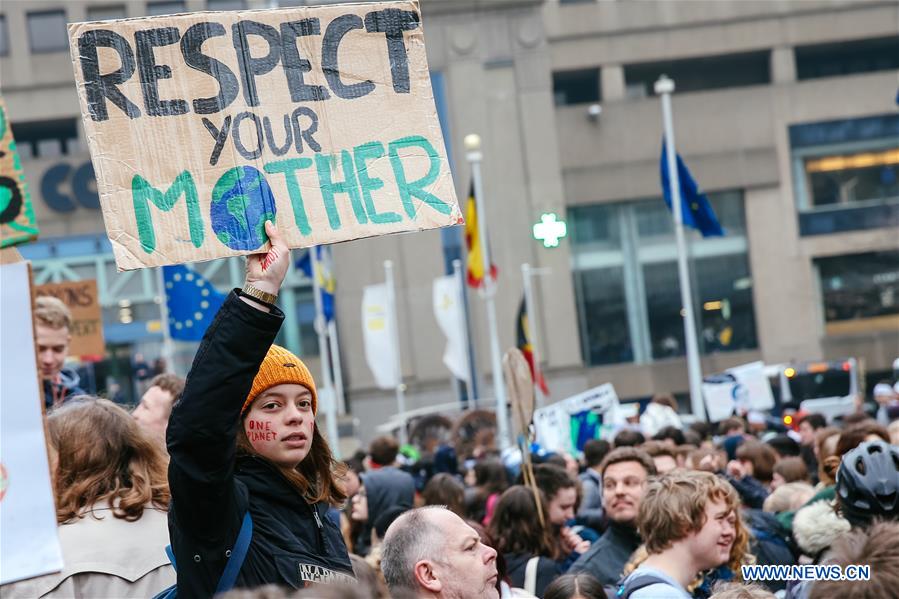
[788, 496]
[431, 553]
[629, 438]
[736, 590]
[671, 436]
[663, 456]
[575, 586]
[155, 407]
[531, 554]
[689, 524]
[625, 472]
[875, 547]
[789, 470]
[559, 492]
[491, 480]
[809, 425]
[52, 329]
[445, 489]
[590, 512]
[886, 398]
[109, 479]
[751, 472]
[868, 483]
[660, 412]
[384, 486]
[243, 441]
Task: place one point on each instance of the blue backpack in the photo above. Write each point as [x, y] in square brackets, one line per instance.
[229, 576]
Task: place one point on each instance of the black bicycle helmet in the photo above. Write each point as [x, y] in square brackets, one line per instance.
[868, 481]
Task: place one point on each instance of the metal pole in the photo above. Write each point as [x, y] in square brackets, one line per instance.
[321, 329]
[168, 348]
[338, 367]
[664, 87]
[526, 274]
[474, 157]
[395, 340]
[469, 354]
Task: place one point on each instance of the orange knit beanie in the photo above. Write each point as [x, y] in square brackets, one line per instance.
[280, 366]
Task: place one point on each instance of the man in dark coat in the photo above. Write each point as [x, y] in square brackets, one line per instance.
[624, 472]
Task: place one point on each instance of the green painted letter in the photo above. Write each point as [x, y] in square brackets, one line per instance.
[323, 163]
[416, 189]
[371, 151]
[288, 168]
[142, 193]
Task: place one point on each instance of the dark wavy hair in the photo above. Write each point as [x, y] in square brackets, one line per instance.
[102, 455]
[515, 526]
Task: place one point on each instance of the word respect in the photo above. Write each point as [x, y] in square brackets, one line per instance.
[282, 48]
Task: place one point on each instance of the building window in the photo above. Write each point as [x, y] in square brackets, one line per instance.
[846, 174]
[847, 58]
[626, 283]
[576, 87]
[226, 4]
[43, 139]
[106, 13]
[4, 37]
[860, 290]
[47, 31]
[165, 7]
[699, 74]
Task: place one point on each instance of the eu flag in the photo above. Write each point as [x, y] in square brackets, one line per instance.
[191, 300]
[695, 207]
[325, 276]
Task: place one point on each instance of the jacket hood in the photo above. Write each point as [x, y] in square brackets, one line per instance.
[817, 526]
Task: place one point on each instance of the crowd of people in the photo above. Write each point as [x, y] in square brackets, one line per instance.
[222, 484]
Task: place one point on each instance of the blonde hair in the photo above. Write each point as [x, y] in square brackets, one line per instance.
[788, 496]
[104, 456]
[738, 590]
[52, 313]
[674, 507]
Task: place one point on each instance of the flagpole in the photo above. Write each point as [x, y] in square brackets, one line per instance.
[474, 157]
[320, 328]
[337, 366]
[471, 388]
[664, 87]
[168, 348]
[526, 273]
[395, 340]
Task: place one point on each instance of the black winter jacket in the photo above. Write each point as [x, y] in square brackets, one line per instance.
[293, 542]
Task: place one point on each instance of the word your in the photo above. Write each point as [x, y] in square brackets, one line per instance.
[282, 49]
[806, 572]
[242, 199]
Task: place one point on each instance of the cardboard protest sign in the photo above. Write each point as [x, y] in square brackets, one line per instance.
[17, 222]
[202, 126]
[87, 314]
[568, 424]
[27, 511]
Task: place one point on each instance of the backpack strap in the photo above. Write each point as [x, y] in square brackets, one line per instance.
[636, 583]
[530, 575]
[238, 554]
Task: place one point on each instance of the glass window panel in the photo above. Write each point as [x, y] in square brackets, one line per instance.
[47, 31]
[601, 302]
[702, 73]
[859, 285]
[845, 178]
[656, 225]
[576, 87]
[722, 294]
[104, 13]
[596, 226]
[165, 7]
[847, 58]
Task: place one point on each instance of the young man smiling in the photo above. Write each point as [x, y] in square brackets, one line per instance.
[688, 522]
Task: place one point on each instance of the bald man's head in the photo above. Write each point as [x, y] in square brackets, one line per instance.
[431, 552]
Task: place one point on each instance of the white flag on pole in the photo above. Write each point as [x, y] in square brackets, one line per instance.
[449, 314]
[379, 351]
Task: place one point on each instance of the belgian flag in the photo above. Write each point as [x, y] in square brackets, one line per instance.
[524, 344]
[473, 243]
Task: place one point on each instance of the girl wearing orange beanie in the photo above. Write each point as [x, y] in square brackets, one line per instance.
[243, 440]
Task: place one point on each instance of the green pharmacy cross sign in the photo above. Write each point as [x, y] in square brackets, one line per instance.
[550, 230]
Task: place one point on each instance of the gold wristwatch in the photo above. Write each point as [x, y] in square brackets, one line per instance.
[259, 294]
